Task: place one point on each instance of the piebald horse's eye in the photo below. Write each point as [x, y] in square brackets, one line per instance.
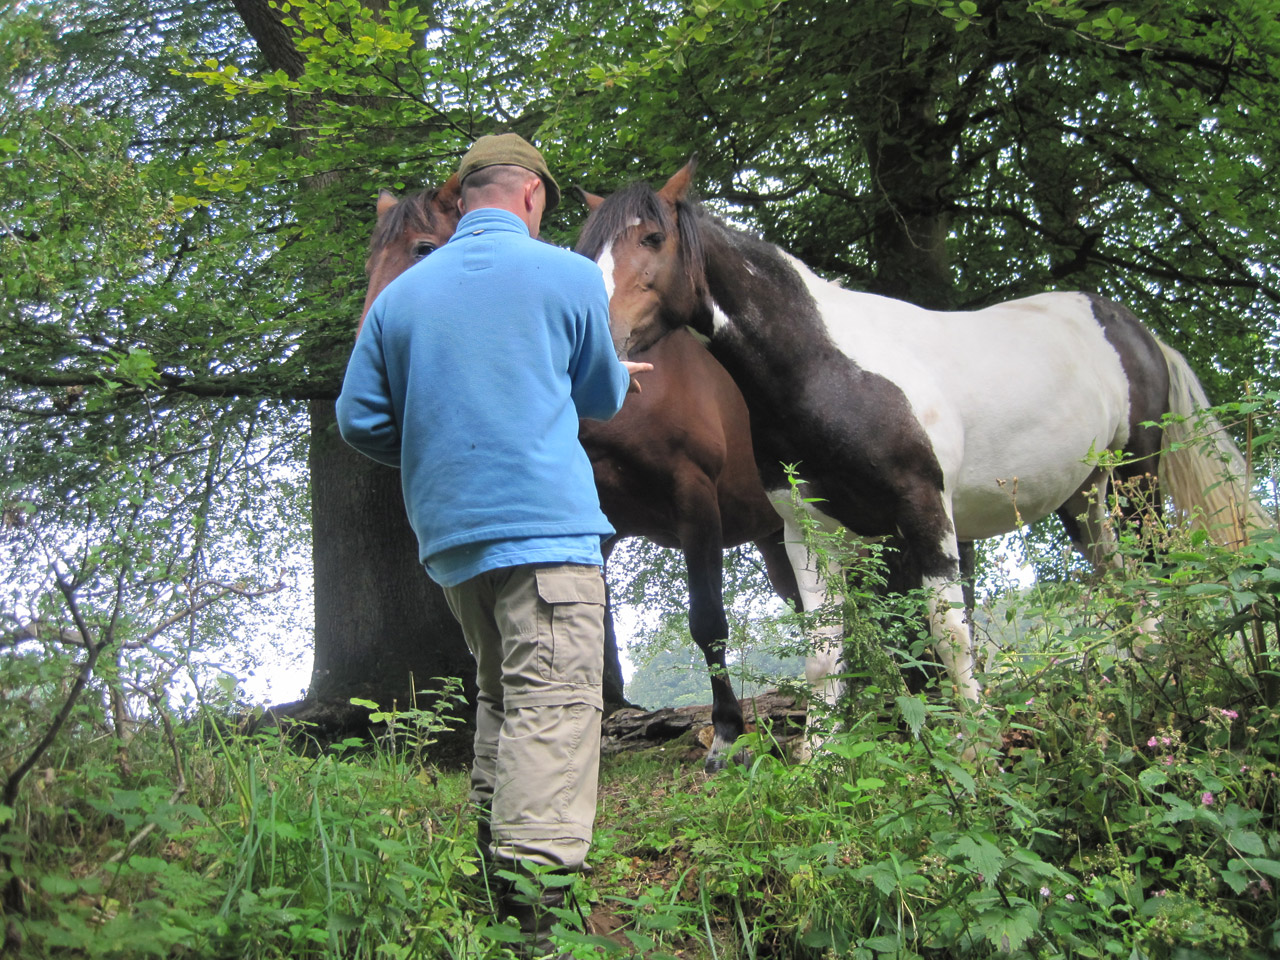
[422, 248]
[653, 240]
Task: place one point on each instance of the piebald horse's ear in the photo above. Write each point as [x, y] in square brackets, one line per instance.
[592, 200]
[386, 200]
[677, 188]
[448, 195]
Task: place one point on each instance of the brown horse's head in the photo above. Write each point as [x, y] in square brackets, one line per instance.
[648, 247]
[408, 229]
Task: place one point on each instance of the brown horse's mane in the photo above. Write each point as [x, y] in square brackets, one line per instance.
[640, 202]
[413, 212]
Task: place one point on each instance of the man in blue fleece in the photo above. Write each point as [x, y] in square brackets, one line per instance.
[470, 374]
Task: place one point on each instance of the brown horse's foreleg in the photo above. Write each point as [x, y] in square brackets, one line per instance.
[613, 688]
[701, 540]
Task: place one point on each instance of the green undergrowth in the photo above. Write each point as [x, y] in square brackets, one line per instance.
[1114, 796]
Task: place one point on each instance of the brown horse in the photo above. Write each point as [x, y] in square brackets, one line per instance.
[675, 465]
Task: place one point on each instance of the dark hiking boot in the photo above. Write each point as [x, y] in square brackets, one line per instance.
[534, 912]
[534, 916]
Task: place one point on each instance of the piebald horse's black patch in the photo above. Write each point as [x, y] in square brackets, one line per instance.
[873, 466]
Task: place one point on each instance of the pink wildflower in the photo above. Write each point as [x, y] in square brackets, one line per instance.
[1152, 742]
[1206, 798]
[1229, 714]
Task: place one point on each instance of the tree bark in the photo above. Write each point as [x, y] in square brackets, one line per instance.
[909, 155]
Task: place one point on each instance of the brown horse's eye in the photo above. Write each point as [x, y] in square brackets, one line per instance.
[422, 248]
[653, 240]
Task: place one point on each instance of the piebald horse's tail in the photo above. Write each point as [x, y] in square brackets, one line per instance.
[1201, 470]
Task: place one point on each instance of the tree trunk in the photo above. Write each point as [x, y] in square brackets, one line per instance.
[909, 150]
[383, 631]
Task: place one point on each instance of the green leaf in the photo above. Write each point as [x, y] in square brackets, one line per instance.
[958, 773]
[883, 875]
[1246, 841]
[983, 856]
[1269, 867]
[1008, 929]
[1151, 778]
[913, 713]
[59, 886]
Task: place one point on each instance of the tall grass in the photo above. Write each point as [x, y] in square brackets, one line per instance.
[1115, 795]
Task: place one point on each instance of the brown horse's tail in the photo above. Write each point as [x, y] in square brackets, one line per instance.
[1201, 469]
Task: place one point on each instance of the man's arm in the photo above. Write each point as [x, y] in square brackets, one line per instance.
[366, 414]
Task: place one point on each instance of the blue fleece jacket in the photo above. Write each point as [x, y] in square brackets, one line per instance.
[470, 375]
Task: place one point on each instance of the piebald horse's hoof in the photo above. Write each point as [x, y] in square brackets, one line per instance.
[718, 757]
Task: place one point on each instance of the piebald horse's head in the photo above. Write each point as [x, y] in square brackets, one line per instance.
[648, 247]
[408, 229]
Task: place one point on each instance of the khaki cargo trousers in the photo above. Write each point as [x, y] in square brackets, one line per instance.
[537, 634]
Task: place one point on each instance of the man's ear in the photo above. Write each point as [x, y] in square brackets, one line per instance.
[530, 191]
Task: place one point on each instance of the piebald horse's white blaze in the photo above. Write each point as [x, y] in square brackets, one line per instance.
[929, 428]
[605, 263]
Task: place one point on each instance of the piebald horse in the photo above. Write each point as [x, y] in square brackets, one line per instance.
[674, 465]
[914, 425]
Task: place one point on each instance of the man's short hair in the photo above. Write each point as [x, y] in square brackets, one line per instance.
[506, 177]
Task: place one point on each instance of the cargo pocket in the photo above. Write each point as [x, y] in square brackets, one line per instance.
[571, 641]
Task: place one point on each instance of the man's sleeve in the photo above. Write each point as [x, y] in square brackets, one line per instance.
[600, 381]
[366, 414]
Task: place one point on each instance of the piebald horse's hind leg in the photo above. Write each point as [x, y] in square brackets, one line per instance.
[702, 543]
[822, 666]
[1087, 520]
[1088, 525]
[927, 524]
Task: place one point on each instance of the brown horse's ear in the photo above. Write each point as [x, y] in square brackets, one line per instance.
[592, 200]
[677, 188]
[386, 200]
[448, 195]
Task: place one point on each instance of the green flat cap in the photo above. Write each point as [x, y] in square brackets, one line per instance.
[509, 149]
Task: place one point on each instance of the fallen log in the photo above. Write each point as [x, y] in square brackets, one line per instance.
[629, 728]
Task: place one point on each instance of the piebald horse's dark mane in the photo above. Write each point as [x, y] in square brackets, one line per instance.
[640, 202]
[414, 212]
